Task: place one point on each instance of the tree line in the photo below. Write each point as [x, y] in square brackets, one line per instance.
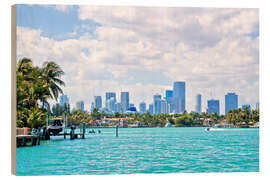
[35, 87]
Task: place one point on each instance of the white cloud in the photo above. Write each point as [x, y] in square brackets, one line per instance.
[211, 49]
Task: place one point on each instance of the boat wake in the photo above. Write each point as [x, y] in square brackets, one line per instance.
[214, 129]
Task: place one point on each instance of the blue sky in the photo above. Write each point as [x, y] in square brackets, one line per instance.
[145, 49]
[54, 24]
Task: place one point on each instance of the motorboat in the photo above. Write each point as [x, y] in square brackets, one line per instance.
[56, 126]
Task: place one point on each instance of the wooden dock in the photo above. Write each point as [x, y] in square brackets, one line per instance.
[27, 140]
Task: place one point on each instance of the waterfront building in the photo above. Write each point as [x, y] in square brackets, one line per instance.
[213, 106]
[179, 96]
[98, 102]
[169, 100]
[163, 107]
[169, 95]
[151, 109]
[198, 103]
[80, 105]
[125, 100]
[142, 107]
[231, 102]
[110, 104]
[157, 104]
[110, 100]
[244, 106]
[118, 107]
[64, 100]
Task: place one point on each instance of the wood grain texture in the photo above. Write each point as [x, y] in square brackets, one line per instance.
[13, 89]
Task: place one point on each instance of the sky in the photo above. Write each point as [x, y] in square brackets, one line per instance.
[143, 50]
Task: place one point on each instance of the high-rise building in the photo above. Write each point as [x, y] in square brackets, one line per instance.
[231, 102]
[80, 105]
[199, 103]
[110, 99]
[118, 107]
[179, 96]
[125, 100]
[64, 100]
[92, 107]
[151, 109]
[169, 100]
[213, 106]
[169, 95]
[98, 102]
[157, 104]
[131, 105]
[244, 106]
[257, 105]
[163, 107]
[110, 104]
[142, 107]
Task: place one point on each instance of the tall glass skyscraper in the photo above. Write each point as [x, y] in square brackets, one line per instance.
[98, 102]
[169, 100]
[63, 100]
[157, 104]
[163, 107]
[125, 101]
[142, 107]
[199, 103]
[110, 100]
[213, 106]
[169, 95]
[231, 102]
[179, 96]
[151, 108]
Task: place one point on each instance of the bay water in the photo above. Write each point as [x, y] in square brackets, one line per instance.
[144, 150]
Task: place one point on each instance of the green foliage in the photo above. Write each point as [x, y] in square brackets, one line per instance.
[183, 120]
[35, 86]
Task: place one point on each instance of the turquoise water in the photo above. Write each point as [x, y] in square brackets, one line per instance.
[145, 150]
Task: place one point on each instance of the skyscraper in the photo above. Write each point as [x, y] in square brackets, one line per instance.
[110, 104]
[142, 107]
[231, 102]
[118, 107]
[110, 99]
[199, 103]
[92, 107]
[213, 106]
[179, 96]
[151, 108]
[80, 105]
[163, 107]
[169, 100]
[125, 100]
[157, 104]
[169, 95]
[98, 102]
[63, 100]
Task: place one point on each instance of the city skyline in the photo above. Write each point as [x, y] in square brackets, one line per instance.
[162, 104]
[214, 50]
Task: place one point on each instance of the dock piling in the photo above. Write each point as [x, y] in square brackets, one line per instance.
[116, 131]
[83, 130]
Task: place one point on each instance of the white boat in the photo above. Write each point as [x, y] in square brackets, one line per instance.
[213, 129]
[56, 126]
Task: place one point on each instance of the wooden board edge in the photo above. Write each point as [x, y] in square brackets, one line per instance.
[13, 89]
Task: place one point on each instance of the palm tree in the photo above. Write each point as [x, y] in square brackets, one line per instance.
[51, 73]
